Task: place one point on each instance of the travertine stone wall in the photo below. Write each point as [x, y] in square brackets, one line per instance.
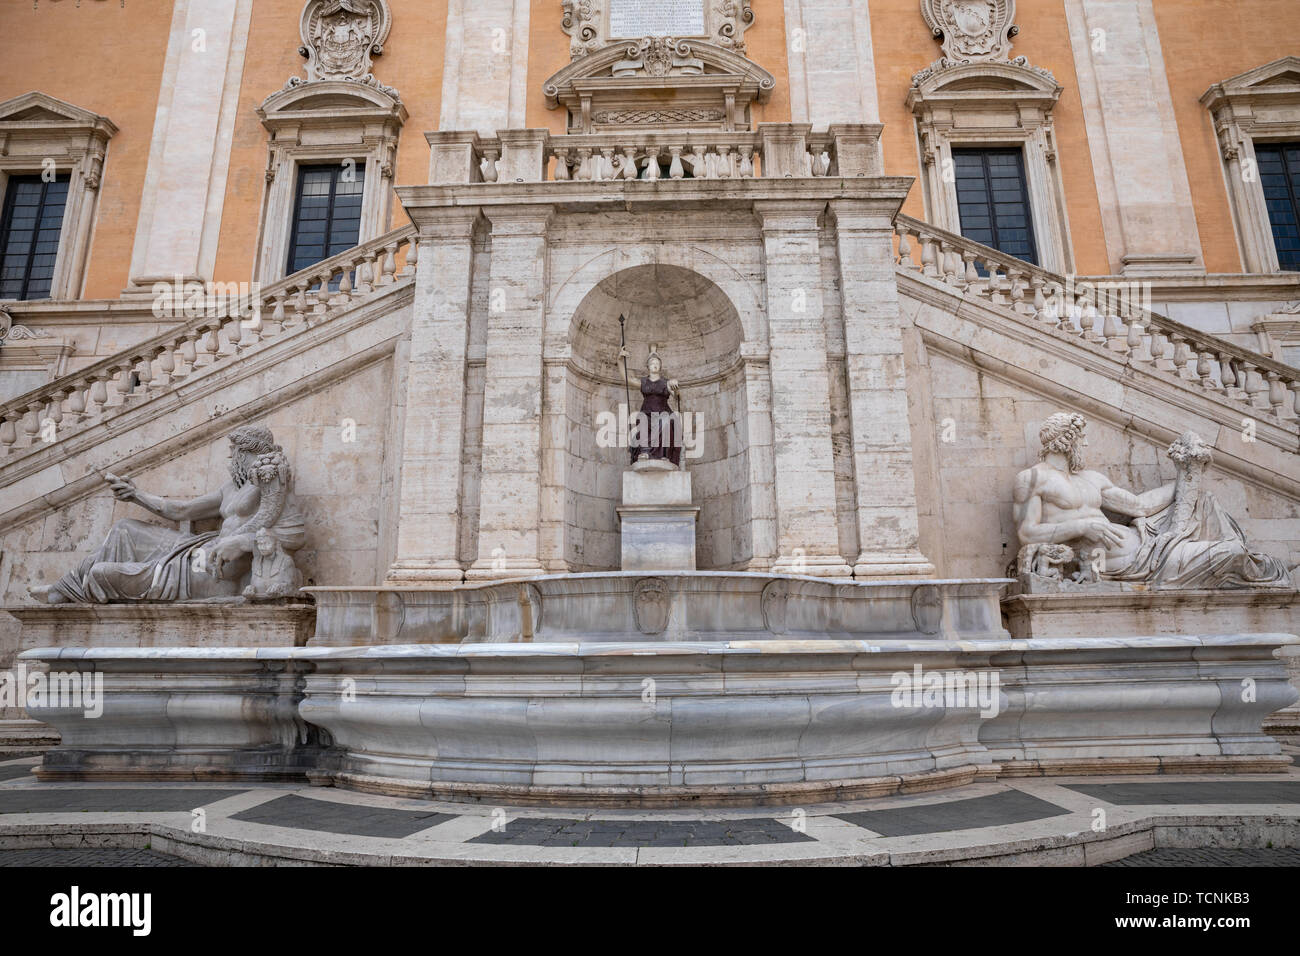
[807, 532]
[510, 489]
[435, 411]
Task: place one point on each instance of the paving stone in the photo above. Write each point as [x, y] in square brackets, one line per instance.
[62, 800]
[996, 809]
[20, 771]
[1212, 856]
[1192, 791]
[304, 813]
[643, 833]
[98, 856]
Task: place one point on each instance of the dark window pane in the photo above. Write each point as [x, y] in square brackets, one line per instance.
[993, 200]
[1279, 176]
[29, 235]
[327, 213]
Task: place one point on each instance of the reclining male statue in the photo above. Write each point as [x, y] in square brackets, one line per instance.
[1178, 537]
[139, 561]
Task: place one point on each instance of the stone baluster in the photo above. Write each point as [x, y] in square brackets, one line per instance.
[1116, 339]
[488, 165]
[1294, 385]
[627, 165]
[144, 376]
[235, 337]
[724, 162]
[584, 172]
[606, 162]
[1135, 341]
[8, 433]
[274, 325]
[1228, 377]
[1256, 388]
[207, 347]
[53, 415]
[904, 248]
[31, 423]
[675, 169]
[746, 168]
[971, 275]
[1161, 351]
[330, 299]
[1205, 368]
[1018, 284]
[929, 256]
[77, 403]
[412, 257]
[998, 285]
[651, 171]
[389, 267]
[345, 281]
[1276, 392]
[561, 173]
[98, 393]
[301, 304]
[1182, 356]
[363, 286]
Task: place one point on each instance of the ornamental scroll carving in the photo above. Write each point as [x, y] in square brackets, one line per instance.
[588, 23]
[339, 37]
[972, 30]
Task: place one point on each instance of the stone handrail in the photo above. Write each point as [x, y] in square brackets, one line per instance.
[1103, 316]
[228, 326]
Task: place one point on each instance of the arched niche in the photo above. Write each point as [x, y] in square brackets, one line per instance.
[697, 331]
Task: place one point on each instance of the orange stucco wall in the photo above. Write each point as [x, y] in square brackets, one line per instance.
[902, 46]
[107, 58]
[1204, 42]
[411, 63]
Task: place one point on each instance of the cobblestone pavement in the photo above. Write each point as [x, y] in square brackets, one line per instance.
[97, 856]
[1212, 856]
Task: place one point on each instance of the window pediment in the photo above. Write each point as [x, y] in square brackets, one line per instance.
[660, 81]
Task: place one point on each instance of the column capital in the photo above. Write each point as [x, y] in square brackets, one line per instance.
[448, 223]
[862, 215]
[789, 215]
[524, 219]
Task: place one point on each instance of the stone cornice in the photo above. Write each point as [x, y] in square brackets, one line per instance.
[888, 192]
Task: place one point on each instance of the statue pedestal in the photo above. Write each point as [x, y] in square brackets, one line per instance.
[657, 519]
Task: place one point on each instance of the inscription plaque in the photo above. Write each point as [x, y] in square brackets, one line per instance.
[643, 18]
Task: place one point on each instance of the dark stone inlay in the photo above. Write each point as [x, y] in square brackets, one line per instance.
[101, 856]
[304, 813]
[1192, 791]
[161, 800]
[1212, 856]
[994, 810]
[553, 831]
[16, 771]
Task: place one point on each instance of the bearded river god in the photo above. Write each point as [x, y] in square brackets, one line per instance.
[140, 561]
[1177, 535]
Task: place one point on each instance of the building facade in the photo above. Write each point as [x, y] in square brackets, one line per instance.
[877, 246]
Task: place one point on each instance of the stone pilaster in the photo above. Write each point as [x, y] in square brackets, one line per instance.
[485, 65]
[807, 537]
[189, 156]
[832, 68]
[1137, 156]
[510, 513]
[434, 413]
[882, 436]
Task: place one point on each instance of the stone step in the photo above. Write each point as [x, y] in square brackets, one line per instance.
[26, 738]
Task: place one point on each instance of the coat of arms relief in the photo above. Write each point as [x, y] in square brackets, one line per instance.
[971, 29]
[339, 37]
